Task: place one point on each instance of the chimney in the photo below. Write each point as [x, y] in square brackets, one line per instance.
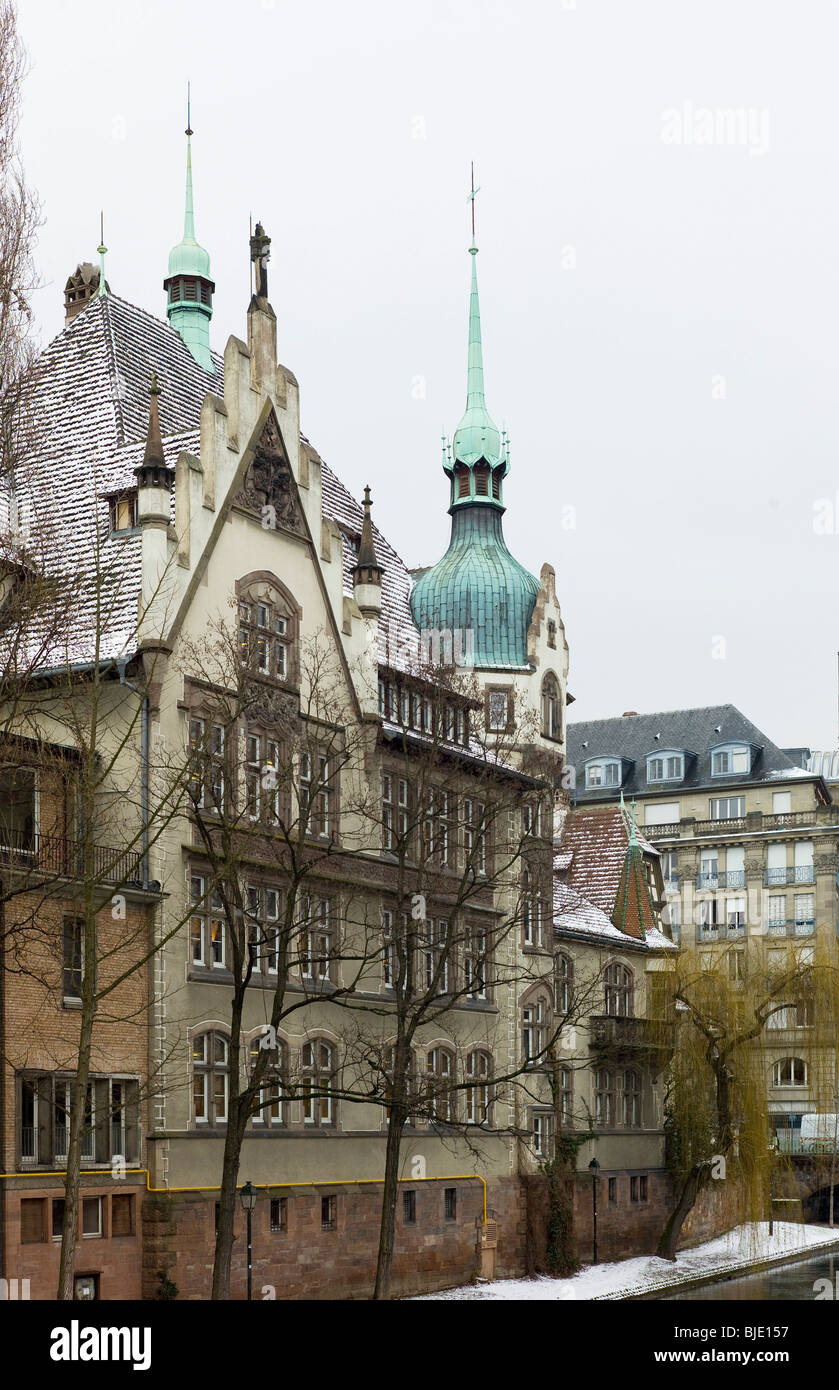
[80, 289]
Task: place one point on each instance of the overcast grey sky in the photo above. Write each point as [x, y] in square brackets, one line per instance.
[659, 286]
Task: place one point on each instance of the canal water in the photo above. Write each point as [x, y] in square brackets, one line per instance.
[790, 1282]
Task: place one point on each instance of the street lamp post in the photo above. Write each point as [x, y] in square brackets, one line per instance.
[248, 1198]
[593, 1169]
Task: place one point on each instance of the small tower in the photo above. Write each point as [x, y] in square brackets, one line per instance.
[154, 497]
[154, 477]
[80, 288]
[633, 913]
[367, 572]
[189, 305]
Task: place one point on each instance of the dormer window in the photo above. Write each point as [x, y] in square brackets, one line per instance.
[730, 758]
[123, 512]
[603, 772]
[665, 767]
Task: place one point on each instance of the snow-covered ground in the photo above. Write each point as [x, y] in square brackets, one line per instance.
[734, 1251]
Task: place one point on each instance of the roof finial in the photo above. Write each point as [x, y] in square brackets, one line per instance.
[633, 839]
[102, 252]
[473, 249]
[188, 130]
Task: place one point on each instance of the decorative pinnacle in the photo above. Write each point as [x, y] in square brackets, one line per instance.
[188, 130]
[154, 443]
[367, 559]
[473, 249]
[102, 251]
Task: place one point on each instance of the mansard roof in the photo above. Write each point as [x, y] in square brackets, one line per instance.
[632, 738]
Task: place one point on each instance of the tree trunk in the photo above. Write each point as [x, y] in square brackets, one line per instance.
[398, 1117]
[691, 1187]
[223, 1260]
[78, 1096]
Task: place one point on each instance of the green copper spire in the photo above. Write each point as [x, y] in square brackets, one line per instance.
[477, 592]
[190, 289]
[102, 251]
[479, 454]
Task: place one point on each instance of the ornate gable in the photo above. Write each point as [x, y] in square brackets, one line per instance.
[268, 489]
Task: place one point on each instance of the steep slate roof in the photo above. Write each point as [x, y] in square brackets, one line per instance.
[589, 867]
[90, 418]
[696, 731]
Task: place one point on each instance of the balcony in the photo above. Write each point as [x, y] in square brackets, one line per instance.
[631, 1037]
[791, 926]
[734, 878]
[754, 822]
[802, 873]
[57, 857]
[720, 931]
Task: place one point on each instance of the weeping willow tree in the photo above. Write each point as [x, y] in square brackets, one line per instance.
[741, 1011]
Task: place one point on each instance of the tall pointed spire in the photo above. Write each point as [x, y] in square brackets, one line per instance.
[478, 589]
[477, 440]
[633, 912]
[367, 572]
[190, 288]
[101, 251]
[153, 472]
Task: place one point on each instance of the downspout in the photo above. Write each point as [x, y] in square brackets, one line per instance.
[144, 759]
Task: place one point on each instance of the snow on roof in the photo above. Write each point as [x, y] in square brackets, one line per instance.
[90, 418]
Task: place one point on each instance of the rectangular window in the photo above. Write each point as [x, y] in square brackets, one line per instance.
[781, 803]
[450, 1203]
[633, 1189]
[32, 1220]
[805, 920]
[328, 1213]
[92, 1216]
[73, 957]
[387, 811]
[57, 1217]
[642, 1187]
[279, 1213]
[661, 813]
[316, 947]
[409, 1208]
[613, 1191]
[498, 710]
[727, 807]
[543, 1130]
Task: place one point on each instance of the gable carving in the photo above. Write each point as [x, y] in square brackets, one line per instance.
[268, 488]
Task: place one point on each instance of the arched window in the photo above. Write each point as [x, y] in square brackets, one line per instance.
[629, 1099]
[532, 911]
[563, 984]
[478, 1094]
[618, 989]
[604, 1098]
[409, 1078]
[210, 1078]
[551, 707]
[316, 1071]
[536, 1024]
[790, 1071]
[269, 1103]
[440, 1073]
[268, 630]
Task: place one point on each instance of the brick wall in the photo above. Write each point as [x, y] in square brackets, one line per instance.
[306, 1261]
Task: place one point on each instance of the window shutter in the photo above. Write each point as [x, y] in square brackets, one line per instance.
[45, 1107]
[777, 856]
[132, 1121]
[121, 1214]
[101, 1120]
[31, 1220]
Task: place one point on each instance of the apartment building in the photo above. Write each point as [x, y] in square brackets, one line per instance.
[748, 838]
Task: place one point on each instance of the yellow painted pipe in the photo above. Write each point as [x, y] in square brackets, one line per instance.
[338, 1182]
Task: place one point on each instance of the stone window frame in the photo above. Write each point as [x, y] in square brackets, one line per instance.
[440, 1081]
[563, 983]
[315, 1079]
[481, 1086]
[264, 587]
[209, 1068]
[98, 1138]
[536, 1023]
[494, 726]
[551, 708]
[794, 1064]
[276, 1078]
[619, 990]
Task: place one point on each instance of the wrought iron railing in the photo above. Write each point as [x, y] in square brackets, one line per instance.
[57, 856]
[802, 873]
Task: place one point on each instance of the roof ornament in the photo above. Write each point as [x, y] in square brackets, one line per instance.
[473, 249]
[101, 251]
[260, 256]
